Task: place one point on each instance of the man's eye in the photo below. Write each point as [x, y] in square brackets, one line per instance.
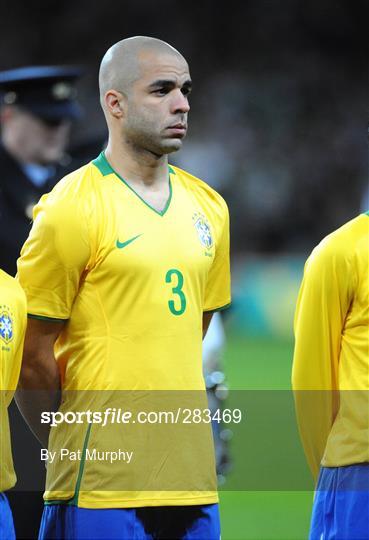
[161, 91]
[186, 91]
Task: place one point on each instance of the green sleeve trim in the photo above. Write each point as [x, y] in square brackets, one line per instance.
[367, 213]
[42, 318]
[220, 308]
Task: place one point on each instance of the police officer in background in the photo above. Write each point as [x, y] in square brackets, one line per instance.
[37, 107]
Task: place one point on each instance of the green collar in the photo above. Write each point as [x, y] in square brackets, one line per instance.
[105, 168]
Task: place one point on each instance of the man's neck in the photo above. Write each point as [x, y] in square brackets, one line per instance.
[138, 168]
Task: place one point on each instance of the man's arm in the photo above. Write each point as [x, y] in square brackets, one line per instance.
[39, 381]
[206, 320]
[322, 307]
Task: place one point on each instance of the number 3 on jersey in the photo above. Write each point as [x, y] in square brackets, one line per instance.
[175, 277]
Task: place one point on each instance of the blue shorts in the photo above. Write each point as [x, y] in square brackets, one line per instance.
[61, 521]
[6, 520]
[341, 504]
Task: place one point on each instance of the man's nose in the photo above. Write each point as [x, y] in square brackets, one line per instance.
[180, 103]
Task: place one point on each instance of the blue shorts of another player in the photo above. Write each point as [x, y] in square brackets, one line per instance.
[341, 504]
[149, 523]
[6, 519]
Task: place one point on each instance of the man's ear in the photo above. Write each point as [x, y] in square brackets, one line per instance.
[115, 103]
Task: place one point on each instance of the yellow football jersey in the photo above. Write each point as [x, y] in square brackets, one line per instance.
[331, 362]
[133, 284]
[13, 320]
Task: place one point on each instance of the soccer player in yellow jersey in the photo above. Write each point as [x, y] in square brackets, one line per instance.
[127, 260]
[13, 319]
[331, 380]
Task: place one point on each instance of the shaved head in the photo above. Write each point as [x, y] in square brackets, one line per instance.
[120, 66]
[144, 87]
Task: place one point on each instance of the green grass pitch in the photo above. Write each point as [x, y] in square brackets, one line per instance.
[261, 364]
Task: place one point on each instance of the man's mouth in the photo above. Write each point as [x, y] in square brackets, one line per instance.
[178, 129]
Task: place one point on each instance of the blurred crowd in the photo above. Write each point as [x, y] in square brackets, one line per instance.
[289, 153]
[279, 108]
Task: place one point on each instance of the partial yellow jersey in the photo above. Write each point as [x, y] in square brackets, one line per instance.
[132, 284]
[13, 320]
[331, 361]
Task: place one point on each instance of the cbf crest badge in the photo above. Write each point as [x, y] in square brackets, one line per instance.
[6, 325]
[202, 227]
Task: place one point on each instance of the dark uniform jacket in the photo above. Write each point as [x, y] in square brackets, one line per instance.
[18, 195]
